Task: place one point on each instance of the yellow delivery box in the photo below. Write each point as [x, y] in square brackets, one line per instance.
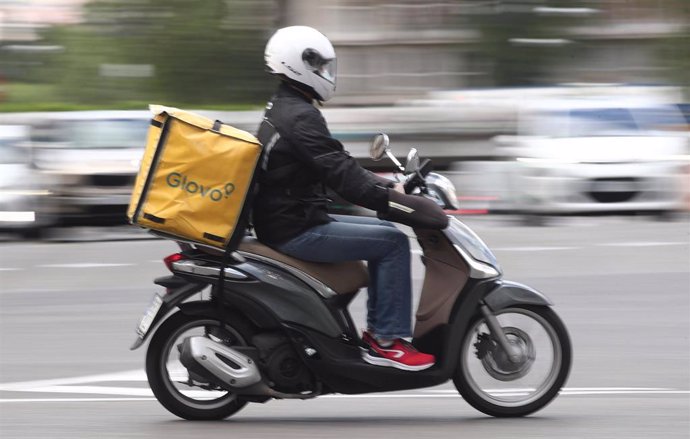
[195, 179]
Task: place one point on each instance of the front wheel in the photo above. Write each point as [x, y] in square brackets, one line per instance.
[498, 386]
[180, 391]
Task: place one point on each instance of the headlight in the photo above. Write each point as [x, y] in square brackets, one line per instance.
[676, 158]
[446, 186]
[17, 217]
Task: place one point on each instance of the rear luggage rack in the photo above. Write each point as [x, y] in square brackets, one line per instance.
[191, 266]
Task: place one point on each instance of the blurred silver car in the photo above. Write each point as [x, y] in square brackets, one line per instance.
[597, 156]
[22, 193]
[92, 159]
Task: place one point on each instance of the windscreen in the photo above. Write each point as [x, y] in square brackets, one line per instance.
[123, 133]
[463, 236]
[613, 121]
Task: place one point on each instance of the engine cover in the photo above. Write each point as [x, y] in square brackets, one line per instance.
[281, 364]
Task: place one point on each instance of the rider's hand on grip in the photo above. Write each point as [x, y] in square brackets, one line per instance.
[414, 211]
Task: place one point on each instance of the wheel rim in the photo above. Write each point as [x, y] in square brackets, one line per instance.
[175, 375]
[501, 382]
[498, 364]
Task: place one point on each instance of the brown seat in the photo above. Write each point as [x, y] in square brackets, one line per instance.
[341, 277]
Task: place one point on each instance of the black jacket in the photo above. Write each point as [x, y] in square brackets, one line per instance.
[300, 157]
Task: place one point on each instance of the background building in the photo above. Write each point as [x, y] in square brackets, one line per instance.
[392, 49]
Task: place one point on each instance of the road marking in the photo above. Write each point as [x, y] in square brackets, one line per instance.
[583, 391]
[451, 394]
[80, 385]
[577, 389]
[565, 391]
[74, 400]
[84, 265]
[533, 249]
[520, 249]
[640, 244]
[81, 265]
[78, 265]
[92, 390]
[626, 392]
[128, 375]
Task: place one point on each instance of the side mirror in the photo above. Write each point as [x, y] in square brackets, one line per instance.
[412, 162]
[379, 146]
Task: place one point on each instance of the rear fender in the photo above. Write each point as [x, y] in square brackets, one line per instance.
[178, 289]
[507, 294]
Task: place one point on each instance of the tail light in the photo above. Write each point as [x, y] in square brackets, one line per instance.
[168, 260]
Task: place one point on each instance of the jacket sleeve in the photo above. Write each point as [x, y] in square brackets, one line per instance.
[414, 211]
[334, 166]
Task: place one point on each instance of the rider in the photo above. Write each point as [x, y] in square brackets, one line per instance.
[289, 210]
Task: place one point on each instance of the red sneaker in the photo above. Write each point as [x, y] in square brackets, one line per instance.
[401, 355]
[367, 338]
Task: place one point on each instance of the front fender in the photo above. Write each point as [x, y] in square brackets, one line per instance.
[507, 293]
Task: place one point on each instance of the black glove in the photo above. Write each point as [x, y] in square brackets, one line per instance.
[414, 211]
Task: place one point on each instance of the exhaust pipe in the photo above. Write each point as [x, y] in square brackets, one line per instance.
[229, 368]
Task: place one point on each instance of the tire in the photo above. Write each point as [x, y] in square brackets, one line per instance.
[163, 345]
[534, 220]
[32, 234]
[497, 387]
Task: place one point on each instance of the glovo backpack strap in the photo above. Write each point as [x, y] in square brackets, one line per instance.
[267, 131]
[229, 253]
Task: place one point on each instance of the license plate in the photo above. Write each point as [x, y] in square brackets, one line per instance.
[149, 315]
[614, 186]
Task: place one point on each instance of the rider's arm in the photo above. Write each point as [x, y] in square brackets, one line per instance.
[334, 166]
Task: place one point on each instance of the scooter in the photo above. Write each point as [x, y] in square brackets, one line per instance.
[279, 328]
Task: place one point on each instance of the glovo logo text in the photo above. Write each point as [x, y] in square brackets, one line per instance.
[177, 180]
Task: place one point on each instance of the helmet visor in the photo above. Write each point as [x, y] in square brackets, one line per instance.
[323, 67]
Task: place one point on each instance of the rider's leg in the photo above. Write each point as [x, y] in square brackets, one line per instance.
[387, 252]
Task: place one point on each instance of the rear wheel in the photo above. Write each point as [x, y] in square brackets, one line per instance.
[493, 384]
[181, 392]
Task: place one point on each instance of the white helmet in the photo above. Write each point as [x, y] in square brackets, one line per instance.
[303, 55]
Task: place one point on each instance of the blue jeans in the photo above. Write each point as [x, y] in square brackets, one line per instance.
[387, 252]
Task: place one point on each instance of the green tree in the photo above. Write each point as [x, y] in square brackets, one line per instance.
[521, 43]
[675, 50]
[198, 53]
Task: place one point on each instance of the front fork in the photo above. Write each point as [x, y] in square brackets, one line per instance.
[514, 354]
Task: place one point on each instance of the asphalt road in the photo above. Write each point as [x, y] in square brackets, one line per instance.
[68, 310]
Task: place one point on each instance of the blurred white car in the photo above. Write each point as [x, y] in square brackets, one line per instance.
[584, 156]
[93, 159]
[22, 193]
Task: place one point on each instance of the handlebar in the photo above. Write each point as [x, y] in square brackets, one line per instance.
[416, 179]
[439, 189]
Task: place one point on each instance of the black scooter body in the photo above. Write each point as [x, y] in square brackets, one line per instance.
[273, 298]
